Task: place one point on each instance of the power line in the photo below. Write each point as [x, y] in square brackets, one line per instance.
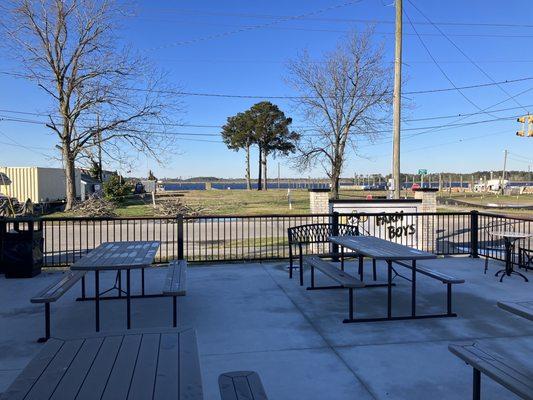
[418, 148]
[468, 116]
[243, 28]
[466, 55]
[199, 125]
[520, 156]
[445, 126]
[14, 143]
[253, 27]
[288, 97]
[440, 68]
[348, 20]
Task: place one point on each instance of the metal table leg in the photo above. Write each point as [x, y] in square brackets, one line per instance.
[389, 289]
[413, 288]
[128, 297]
[97, 298]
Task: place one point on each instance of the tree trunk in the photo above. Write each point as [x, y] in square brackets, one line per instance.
[248, 179]
[70, 179]
[334, 180]
[265, 177]
[259, 180]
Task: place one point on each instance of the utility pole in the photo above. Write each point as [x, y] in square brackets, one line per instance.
[97, 139]
[503, 172]
[397, 101]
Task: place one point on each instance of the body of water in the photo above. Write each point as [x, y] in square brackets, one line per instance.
[303, 185]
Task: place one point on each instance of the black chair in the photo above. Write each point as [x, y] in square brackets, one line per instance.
[525, 258]
[496, 245]
[316, 234]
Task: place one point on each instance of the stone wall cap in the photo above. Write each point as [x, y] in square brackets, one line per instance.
[374, 200]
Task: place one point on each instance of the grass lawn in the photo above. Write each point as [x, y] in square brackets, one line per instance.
[242, 202]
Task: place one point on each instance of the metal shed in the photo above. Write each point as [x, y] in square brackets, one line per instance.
[40, 185]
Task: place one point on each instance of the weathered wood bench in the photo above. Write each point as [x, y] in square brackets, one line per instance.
[344, 280]
[446, 279]
[176, 285]
[54, 292]
[496, 368]
[241, 385]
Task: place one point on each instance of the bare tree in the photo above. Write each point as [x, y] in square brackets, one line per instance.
[69, 48]
[346, 95]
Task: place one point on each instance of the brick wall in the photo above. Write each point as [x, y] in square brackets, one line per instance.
[319, 201]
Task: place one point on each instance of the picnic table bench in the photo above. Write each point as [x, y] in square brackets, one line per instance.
[142, 365]
[446, 279]
[501, 370]
[390, 252]
[523, 309]
[53, 292]
[344, 280]
[176, 285]
[241, 385]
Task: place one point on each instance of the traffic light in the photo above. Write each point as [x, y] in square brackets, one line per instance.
[527, 126]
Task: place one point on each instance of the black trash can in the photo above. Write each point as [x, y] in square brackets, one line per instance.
[21, 248]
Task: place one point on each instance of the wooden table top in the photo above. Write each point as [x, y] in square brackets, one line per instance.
[521, 308]
[142, 365]
[380, 249]
[118, 255]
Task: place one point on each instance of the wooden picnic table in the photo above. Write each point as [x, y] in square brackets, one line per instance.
[116, 256]
[521, 308]
[142, 365]
[380, 249]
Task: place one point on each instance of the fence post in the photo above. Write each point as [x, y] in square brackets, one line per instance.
[179, 220]
[474, 233]
[335, 231]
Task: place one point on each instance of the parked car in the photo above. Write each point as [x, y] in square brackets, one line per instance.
[415, 186]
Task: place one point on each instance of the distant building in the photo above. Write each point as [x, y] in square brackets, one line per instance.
[492, 185]
[105, 174]
[40, 185]
[89, 186]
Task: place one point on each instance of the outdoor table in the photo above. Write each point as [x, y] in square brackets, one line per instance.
[380, 249]
[116, 256]
[521, 308]
[509, 238]
[144, 365]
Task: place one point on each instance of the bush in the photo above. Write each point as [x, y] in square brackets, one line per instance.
[115, 189]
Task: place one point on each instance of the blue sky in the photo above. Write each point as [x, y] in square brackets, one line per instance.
[180, 38]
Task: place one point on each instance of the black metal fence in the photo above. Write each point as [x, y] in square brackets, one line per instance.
[264, 237]
[490, 245]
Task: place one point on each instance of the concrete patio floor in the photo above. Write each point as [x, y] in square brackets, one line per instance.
[251, 316]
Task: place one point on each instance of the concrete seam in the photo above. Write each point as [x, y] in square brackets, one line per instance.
[357, 377]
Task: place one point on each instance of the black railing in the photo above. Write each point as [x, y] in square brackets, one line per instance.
[492, 246]
[264, 237]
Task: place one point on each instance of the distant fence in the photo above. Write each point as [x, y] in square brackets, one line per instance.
[264, 237]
